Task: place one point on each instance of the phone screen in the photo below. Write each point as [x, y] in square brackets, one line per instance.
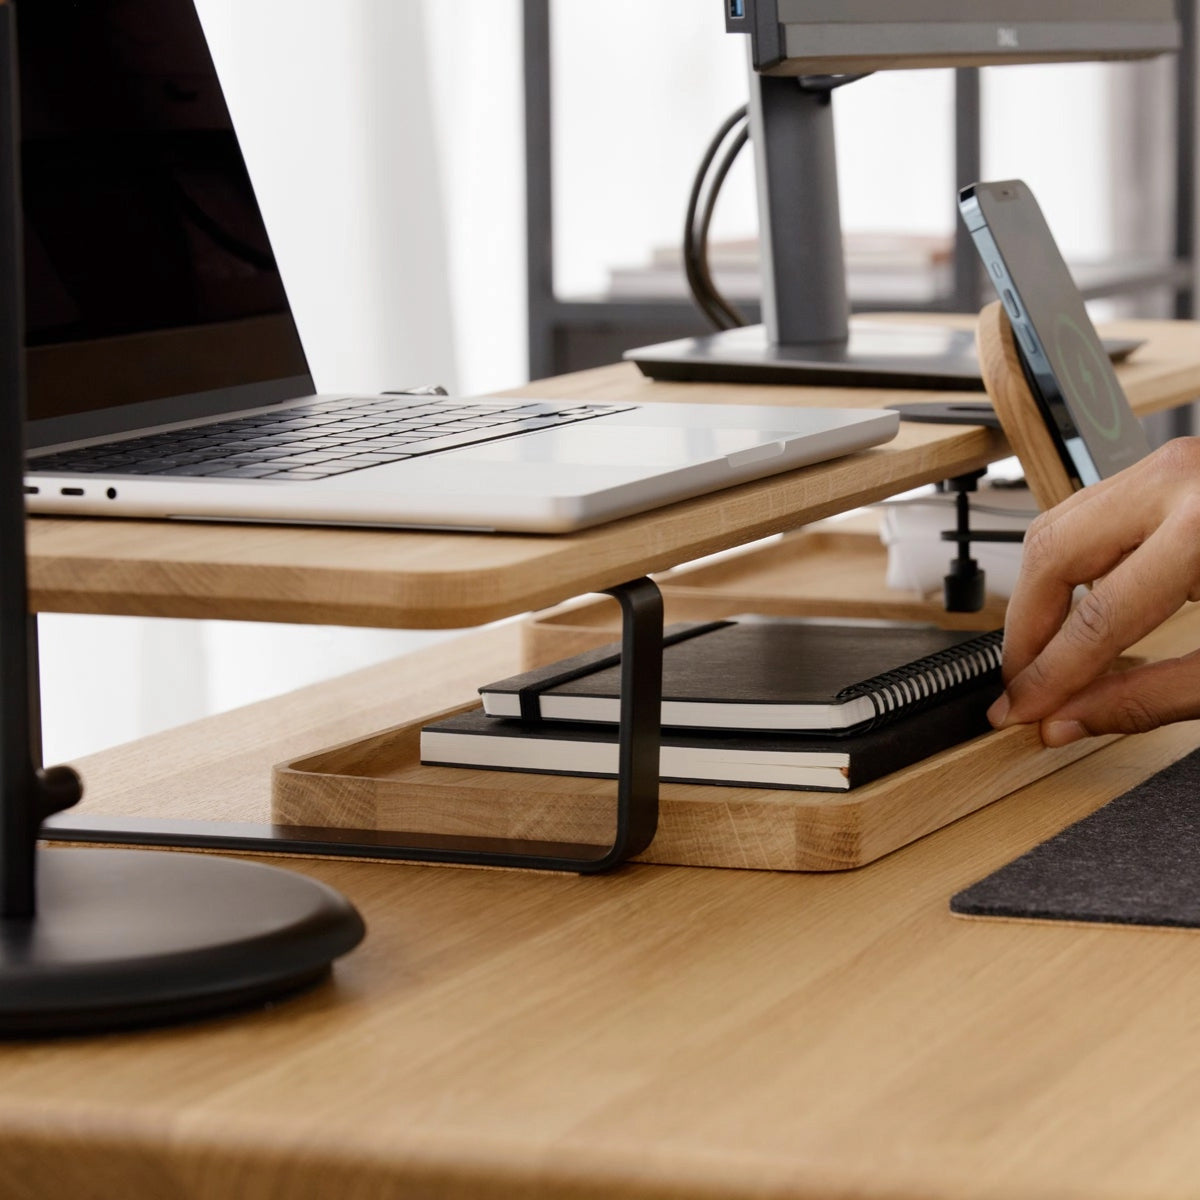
[1068, 369]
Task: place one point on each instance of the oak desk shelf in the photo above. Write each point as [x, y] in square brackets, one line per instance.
[453, 580]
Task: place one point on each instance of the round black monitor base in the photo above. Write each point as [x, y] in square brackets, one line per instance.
[134, 937]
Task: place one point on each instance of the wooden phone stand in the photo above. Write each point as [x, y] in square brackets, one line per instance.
[1018, 410]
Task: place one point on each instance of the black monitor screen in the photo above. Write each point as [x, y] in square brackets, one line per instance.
[149, 272]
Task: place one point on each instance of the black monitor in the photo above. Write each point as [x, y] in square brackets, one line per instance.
[797, 48]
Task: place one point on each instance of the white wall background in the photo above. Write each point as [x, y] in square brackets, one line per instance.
[385, 141]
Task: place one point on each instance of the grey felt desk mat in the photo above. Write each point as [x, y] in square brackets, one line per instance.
[1136, 861]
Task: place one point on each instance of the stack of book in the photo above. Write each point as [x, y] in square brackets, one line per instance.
[751, 702]
[915, 268]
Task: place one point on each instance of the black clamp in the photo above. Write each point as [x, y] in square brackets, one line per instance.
[964, 588]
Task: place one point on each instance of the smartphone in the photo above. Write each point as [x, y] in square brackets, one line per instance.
[1068, 370]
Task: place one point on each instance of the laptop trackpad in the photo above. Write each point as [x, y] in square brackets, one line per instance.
[591, 444]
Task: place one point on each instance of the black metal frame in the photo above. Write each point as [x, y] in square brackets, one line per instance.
[16, 765]
[27, 794]
[636, 804]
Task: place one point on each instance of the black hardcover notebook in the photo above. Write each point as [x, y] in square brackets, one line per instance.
[770, 760]
[766, 674]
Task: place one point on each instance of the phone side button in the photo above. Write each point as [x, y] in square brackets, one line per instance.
[1028, 343]
[1010, 302]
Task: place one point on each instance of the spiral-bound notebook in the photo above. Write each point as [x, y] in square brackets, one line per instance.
[767, 674]
[738, 758]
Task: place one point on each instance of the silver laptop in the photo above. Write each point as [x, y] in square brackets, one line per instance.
[166, 378]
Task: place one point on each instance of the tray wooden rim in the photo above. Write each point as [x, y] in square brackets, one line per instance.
[805, 830]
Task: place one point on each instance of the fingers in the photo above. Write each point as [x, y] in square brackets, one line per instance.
[1135, 597]
[1072, 544]
[1137, 537]
[1133, 701]
[1134, 533]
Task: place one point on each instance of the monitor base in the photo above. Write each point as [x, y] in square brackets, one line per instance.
[126, 938]
[878, 353]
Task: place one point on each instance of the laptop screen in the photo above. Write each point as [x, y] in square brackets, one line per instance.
[150, 280]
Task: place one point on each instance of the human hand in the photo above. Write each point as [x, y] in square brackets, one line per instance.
[1137, 535]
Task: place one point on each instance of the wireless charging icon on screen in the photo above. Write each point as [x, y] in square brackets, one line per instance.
[1093, 390]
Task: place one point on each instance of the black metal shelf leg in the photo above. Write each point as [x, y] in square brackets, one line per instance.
[636, 808]
[640, 732]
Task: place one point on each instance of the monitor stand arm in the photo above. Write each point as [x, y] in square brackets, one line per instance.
[799, 215]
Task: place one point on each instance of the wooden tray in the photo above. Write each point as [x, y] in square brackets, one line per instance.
[378, 782]
[829, 569]
[838, 568]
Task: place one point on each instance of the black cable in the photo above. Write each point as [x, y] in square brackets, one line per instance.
[703, 294]
[735, 317]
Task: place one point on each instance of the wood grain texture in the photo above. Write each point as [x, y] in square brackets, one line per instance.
[382, 578]
[1018, 410]
[379, 782]
[659, 1032]
[440, 580]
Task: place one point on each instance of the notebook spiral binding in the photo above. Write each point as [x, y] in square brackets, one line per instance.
[918, 684]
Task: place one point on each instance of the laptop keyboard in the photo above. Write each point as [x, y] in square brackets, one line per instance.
[320, 439]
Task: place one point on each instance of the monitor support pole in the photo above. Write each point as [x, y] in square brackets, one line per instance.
[102, 939]
[799, 216]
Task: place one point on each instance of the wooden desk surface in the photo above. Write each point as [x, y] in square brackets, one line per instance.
[659, 1032]
[434, 580]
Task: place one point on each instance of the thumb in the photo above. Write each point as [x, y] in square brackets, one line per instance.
[1132, 701]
